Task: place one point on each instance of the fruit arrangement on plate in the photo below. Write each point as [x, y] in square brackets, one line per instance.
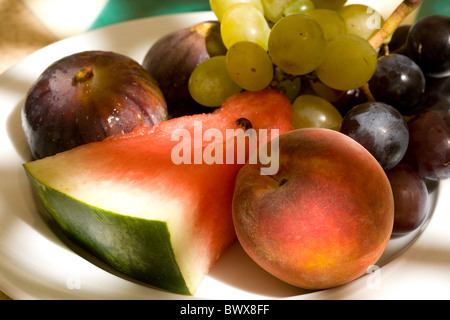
[304, 129]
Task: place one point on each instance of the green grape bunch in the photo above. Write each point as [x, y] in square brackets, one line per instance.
[285, 44]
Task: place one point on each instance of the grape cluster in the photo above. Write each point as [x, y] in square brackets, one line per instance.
[391, 95]
[283, 43]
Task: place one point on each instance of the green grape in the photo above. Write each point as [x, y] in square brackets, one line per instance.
[210, 84]
[298, 6]
[321, 90]
[361, 20]
[220, 6]
[350, 61]
[273, 9]
[290, 88]
[330, 21]
[297, 44]
[243, 22]
[329, 4]
[249, 65]
[311, 111]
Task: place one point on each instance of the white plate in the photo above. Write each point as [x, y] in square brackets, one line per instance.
[37, 261]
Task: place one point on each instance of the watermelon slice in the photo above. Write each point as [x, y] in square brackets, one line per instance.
[128, 202]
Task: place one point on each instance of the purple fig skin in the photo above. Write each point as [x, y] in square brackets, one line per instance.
[172, 58]
[86, 97]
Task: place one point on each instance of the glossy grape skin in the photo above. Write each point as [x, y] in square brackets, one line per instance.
[343, 101]
[219, 7]
[399, 37]
[437, 94]
[361, 20]
[324, 91]
[210, 84]
[249, 65]
[330, 21]
[410, 199]
[428, 44]
[397, 42]
[298, 7]
[243, 22]
[381, 129]
[297, 44]
[349, 63]
[273, 10]
[429, 146]
[287, 84]
[350, 99]
[398, 81]
[315, 112]
[329, 4]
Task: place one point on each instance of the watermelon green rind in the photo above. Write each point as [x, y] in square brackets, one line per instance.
[117, 239]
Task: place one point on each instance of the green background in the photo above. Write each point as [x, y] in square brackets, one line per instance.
[122, 10]
[434, 7]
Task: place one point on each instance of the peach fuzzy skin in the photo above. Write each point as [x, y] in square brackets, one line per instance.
[323, 219]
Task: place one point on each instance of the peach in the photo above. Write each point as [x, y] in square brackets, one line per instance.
[323, 219]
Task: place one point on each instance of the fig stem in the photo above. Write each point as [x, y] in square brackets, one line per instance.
[84, 75]
[392, 23]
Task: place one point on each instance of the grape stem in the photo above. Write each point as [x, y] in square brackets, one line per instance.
[368, 93]
[392, 23]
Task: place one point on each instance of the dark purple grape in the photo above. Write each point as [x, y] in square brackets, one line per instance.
[428, 45]
[410, 199]
[350, 99]
[398, 81]
[437, 90]
[399, 37]
[437, 95]
[398, 40]
[429, 146]
[381, 129]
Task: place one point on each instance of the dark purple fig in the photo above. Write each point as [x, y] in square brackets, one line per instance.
[86, 97]
[172, 58]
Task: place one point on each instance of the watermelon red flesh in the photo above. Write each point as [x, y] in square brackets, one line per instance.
[126, 201]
